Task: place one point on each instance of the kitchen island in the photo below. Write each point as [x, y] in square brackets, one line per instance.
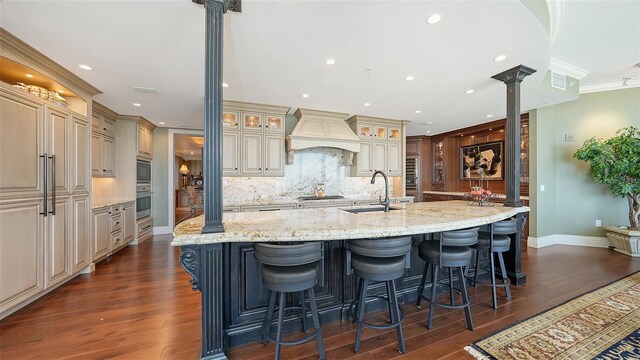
[225, 271]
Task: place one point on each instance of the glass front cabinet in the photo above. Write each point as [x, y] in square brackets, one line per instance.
[437, 172]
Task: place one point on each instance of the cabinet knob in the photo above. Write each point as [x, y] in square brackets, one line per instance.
[104, 169]
[259, 168]
[266, 168]
[104, 128]
[235, 169]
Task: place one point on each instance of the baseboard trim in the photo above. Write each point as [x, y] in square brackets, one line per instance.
[162, 230]
[561, 239]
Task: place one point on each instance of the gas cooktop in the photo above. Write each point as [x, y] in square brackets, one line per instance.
[327, 197]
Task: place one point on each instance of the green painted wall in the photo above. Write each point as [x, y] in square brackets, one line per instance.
[160, 176]
[571, 201]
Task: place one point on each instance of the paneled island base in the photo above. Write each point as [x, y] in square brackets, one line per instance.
[234, 301]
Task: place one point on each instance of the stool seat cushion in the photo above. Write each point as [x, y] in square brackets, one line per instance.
[377, 265]
[288, 275]
[429, 251]
[389, 247]
[501, 243]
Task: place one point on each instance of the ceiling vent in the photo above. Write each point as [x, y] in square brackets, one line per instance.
[145, 90]
[558, 81]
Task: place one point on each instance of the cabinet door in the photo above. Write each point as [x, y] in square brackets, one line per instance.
[108, 127]
[363, 159]
[109, 157]
[395, 133]
[80, 243]
[57, 244]
[80, 161]
[101, 232]
[129, 219]
[365, 131]
[230, 153]
[274, 155]
[96, 123]
[149, 143]
[379, 156]
[142, 142]
[60, 146]
[96, 154]
[394, 159]
[274, 123]
[230, 120]
[252, 154]
[251, 121]
[21, 251]
[380, 133]
[21, 127]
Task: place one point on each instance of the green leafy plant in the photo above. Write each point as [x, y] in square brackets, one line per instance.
[616, 162]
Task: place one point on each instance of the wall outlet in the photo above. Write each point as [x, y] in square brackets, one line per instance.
[568, 137]
[598, 223]
[541, 188]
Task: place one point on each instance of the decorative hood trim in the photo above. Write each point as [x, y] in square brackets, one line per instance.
[322, 129]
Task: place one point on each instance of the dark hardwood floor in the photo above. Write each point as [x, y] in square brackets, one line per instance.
[138, 305]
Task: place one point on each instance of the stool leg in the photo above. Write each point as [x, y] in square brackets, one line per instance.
[465, 298]
[281, 306]
[451, 299]
[303, 305]
[361, 305]
[493, 279]
[505, 279]
[316, 322]
[386, 283]
[434, 285]
[423, 281]
[475, 275]
[269, 317]
[355, 310]
[393, 297]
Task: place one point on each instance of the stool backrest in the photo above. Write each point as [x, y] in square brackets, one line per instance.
[505, 227]
[389, 247]
[465, 237]
[288, 255]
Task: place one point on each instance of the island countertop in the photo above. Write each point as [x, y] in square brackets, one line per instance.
[336, 224]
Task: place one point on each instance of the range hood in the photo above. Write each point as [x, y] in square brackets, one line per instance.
[322, 129]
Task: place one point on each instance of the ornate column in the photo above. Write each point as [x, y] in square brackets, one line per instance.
[512, 78]
[212, 163]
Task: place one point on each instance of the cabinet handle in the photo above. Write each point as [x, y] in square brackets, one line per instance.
[236, 169]
[259, 168]
[118, 223]
[266, 168]
[104, 170]
[46, 184]
[104, 128]
[53, 187]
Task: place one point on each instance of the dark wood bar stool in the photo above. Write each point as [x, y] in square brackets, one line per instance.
[452, 251]
[375, 260]
[496, 241]
[290, 269]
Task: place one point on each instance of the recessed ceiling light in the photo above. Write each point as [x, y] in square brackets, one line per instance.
[161, 122]
[331, 61]
[418, 111]
[488, 116]
[409, 77]
[29, 75]
[85, 67]
[470, 91]
[191, 153]
[136, 105]
[225, 85]
[500, 58]
[367, 104]
[490, 129]
[428, 131]
[434, 19]
[305, 95]
[60, 91]
[461, 134]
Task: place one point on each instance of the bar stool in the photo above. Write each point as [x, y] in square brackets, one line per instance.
[378, 260]
[451, 251]
[496, 241]
[290, 269]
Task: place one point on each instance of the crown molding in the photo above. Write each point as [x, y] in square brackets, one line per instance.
[609, 86]
[567, 69]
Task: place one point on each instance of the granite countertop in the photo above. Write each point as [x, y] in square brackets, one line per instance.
[104, 203]
[336, 224]
[286, 201]
[460, 193]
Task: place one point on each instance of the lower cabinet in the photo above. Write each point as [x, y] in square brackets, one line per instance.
[113, 228]
[129, 222]
[101, 232]
[57, 244]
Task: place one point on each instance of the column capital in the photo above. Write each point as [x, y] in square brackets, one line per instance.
[229, 5]
[515, 74]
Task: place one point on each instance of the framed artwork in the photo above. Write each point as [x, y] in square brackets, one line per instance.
[486, 156]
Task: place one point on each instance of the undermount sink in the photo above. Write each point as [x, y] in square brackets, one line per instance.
[368, 209]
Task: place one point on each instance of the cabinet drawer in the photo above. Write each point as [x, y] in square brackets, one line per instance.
[116, 223]
[116, 241]
[116, 210]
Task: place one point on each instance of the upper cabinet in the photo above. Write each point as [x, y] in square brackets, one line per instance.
[253, 139]
[145, 141]
[438, 170]
[381, 146]
[103, 141]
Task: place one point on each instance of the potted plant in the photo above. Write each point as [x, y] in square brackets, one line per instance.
[616, 162]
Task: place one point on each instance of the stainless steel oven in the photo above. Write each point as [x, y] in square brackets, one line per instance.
[143, 201]
[143, 172]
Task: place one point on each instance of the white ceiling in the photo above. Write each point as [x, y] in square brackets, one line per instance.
[186, 148]
[276, 50]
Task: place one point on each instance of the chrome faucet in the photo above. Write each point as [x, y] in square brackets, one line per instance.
[386, 201]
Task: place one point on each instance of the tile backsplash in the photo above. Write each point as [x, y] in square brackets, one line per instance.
[310, 167]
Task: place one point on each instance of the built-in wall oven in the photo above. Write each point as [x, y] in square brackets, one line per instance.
[143, 201]
[143, 172]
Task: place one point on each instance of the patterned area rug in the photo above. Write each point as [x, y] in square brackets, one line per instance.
[603, 324]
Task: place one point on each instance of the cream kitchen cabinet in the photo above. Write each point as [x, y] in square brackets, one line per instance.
[41, 177]
[230, 153]
[128, 222]
[113, 228]
[394, 158]
[80, 233]
[145, 141]
[101, 232]
[252, 154]
[103, 141]
[382, 141]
